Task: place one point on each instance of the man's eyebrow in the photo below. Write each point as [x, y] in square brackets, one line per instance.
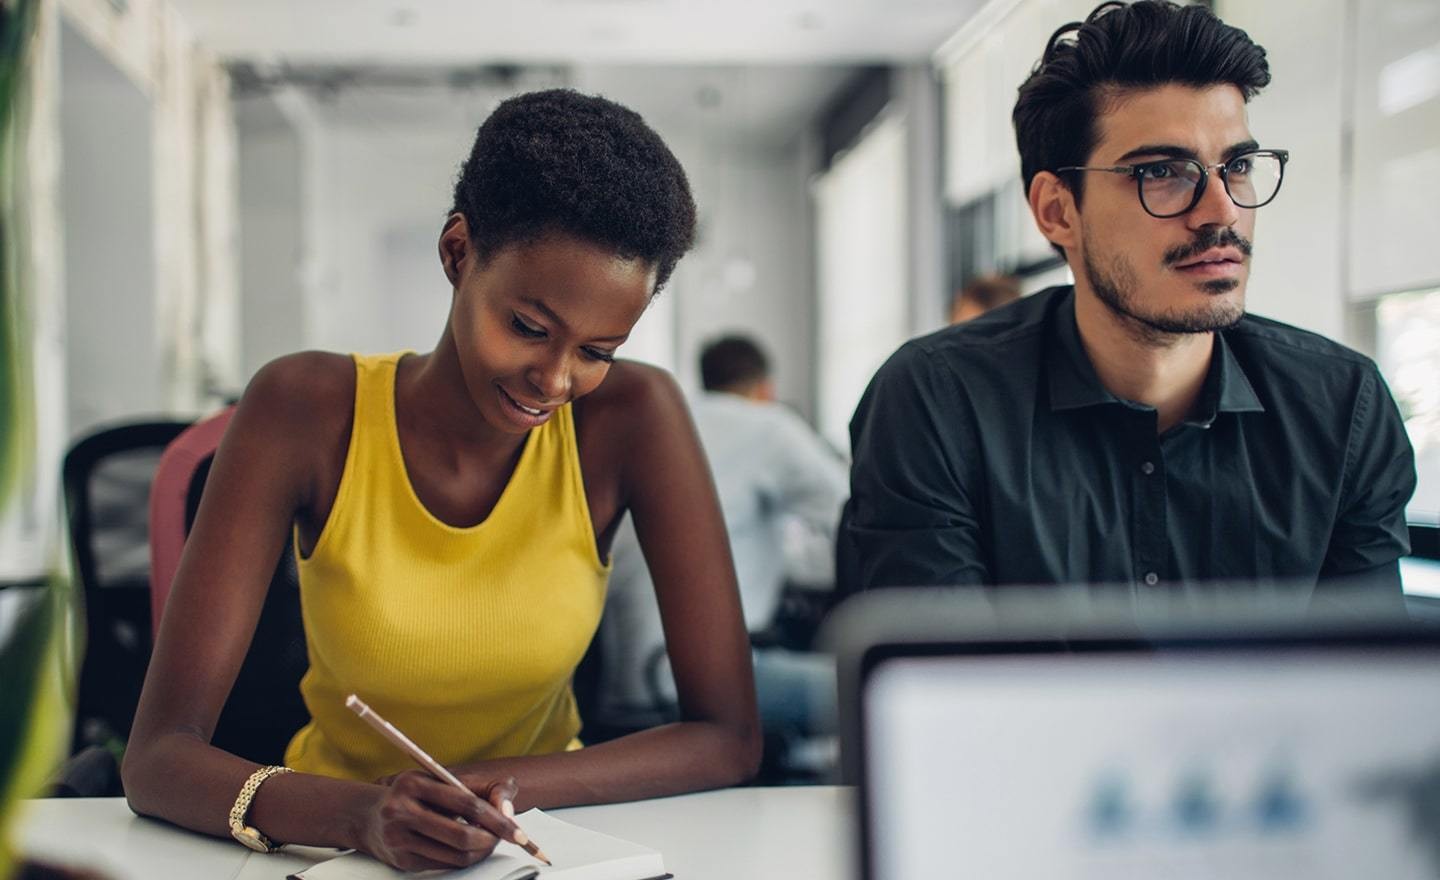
[1177, 152]
[550, 314]
[1234, 150]
[1169, 150]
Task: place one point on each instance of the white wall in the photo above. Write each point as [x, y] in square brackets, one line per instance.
[383, 169]
[193, 164]
[1299, 260]
[1395, 179]
[862, 258]
[376, 172]
[272, 315]
[917, 94]
[749, 272]
[113, 363]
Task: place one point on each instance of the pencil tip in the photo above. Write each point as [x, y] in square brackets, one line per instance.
[544, 858]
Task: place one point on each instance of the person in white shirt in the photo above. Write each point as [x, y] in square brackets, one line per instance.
[781, 489]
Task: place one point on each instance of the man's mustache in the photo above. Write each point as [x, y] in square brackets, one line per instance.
[1205, 240]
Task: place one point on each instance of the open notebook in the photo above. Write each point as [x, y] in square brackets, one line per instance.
[578, 854]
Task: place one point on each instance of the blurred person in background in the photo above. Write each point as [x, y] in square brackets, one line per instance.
[981, 295]
[781, 488]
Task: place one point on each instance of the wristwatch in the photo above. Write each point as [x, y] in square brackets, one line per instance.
[248, 834]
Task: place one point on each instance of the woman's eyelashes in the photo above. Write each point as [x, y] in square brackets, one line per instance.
[527, 330]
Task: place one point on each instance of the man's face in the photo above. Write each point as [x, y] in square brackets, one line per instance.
[1182, 274]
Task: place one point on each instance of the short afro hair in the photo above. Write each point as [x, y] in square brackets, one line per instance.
[560, 161]
[1120, 46]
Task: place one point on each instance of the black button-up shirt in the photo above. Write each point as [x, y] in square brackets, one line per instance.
[989, 453]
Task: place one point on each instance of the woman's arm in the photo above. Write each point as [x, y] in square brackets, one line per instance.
[666, 481]
[290, 419]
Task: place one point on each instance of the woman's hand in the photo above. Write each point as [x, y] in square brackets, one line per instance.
[499, 792]
[420, 823]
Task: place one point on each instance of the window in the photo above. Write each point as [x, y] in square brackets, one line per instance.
[1408, 345]
[861, 270]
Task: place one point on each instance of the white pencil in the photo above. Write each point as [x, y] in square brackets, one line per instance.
[407, 745]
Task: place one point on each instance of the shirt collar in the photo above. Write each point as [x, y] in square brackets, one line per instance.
[1074, 384]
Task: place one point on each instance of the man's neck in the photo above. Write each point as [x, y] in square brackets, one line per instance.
[1165, 371]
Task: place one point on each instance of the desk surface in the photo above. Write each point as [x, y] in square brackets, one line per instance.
[755, 833]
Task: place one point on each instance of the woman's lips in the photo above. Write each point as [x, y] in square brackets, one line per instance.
[529, 417]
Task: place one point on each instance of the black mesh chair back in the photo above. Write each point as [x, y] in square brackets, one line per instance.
[106, 479]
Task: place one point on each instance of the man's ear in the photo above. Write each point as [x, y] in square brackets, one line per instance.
[455, 247]
[1052, 204]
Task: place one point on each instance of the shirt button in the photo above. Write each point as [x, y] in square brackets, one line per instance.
[1147, 468]
[1151, 578]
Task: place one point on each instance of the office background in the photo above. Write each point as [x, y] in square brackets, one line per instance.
[207, 185]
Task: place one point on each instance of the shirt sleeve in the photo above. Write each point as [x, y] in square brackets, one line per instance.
[809, 484]
[911, 519]
[1370, 531]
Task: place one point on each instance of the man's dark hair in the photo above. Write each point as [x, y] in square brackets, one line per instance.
[732, 362]
[560, 161]
[1119, 46]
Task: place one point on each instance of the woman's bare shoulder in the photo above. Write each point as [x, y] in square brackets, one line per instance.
[305, 387]
[632, 389]
[636, 409]
[300, 404]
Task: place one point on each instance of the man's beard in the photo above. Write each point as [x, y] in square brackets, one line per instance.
[1116, 288]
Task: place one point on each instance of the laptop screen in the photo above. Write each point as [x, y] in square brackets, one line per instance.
[1256, 760]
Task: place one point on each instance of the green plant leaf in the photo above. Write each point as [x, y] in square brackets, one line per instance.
[36, 668]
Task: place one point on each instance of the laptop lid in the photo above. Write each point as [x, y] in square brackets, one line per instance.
[1067, 741]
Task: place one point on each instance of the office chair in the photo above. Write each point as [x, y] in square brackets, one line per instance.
[107, 478]
[264, 709]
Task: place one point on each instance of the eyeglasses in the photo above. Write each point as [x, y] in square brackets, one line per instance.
[1171, 187]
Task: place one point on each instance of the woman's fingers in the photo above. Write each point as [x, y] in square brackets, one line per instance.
[484, 822]
[419, 852]
[501, 795]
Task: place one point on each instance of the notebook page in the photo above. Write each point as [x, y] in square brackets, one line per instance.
[578, 854]
[509, 863]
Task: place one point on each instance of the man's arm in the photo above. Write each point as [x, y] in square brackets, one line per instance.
[1370, 533]
[912, 518]
[809, 483]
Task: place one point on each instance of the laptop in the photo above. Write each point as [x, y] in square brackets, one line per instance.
[1063, 736]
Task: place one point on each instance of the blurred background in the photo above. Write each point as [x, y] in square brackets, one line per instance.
[209, 184]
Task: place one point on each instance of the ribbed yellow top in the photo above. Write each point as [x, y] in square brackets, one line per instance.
[464, 638]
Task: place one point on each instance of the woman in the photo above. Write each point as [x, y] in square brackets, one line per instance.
[450, 513]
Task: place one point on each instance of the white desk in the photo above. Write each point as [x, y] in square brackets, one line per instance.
[754, 833]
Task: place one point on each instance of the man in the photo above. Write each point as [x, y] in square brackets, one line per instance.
[981, 295]
[781, 488]
[1137, 427]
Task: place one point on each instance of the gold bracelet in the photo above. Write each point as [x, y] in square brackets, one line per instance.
[247, 834]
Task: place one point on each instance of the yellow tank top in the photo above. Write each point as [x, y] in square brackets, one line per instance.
[464, 638]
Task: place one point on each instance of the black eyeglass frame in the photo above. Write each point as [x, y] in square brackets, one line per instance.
[1135, 170]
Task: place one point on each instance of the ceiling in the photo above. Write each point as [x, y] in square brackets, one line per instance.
[760, 105]
[467, 32]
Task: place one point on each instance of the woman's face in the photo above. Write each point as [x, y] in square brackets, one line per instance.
[538, 324]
